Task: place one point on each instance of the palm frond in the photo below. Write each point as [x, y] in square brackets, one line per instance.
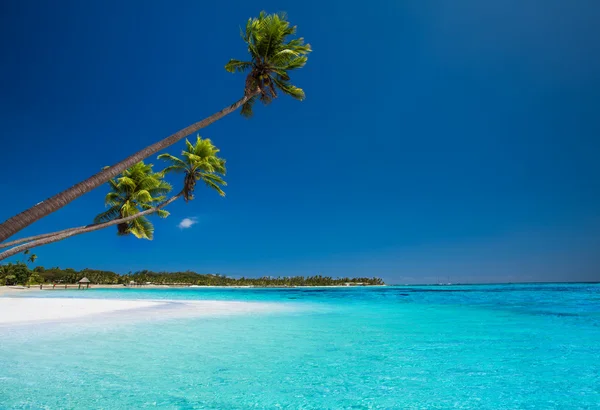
[237, 66]
[176, 169]
[214, 186]
[214, 178]
[289, 89]
[126, 182]
[162, 213]
[247, 107]
[291, 64]
[218, 165]
[297, 45]
[177, 165]
[108, 215]
[188, 146]
[114, 198]
[158, 194]
[129, 209]
[142, 228]
[142, 197]
[193, 158]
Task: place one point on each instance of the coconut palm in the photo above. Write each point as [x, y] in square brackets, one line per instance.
[31, 257]
[30, 242]
[138, 189]
[200, 163]
[272, 56]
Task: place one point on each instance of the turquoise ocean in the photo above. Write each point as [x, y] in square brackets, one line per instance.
[533, 346]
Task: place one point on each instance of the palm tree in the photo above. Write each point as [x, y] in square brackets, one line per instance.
[200, 163]
[31, 257]
[271, 58]
[45, 239]
[138, 189]
[264, 35]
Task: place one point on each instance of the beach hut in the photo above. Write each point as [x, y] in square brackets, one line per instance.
[132, 283]
[84, 281]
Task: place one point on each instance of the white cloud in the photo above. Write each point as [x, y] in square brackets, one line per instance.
[187, 223]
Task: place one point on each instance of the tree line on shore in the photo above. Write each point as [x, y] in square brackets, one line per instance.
[21, 274]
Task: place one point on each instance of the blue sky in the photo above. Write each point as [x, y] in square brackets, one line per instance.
[437, 139]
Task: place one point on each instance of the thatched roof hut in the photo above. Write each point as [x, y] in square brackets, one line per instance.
[84, 281]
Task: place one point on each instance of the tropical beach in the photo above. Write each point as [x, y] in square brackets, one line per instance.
[302, 205]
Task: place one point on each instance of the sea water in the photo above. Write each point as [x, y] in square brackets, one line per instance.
[427, 347]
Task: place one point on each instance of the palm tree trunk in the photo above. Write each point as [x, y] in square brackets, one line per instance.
[60, 235]
[42, 236]
[37, 212]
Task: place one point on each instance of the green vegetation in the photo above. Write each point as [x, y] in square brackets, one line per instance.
[200, 163]
[271, 59]
[31, 257]
[137, 189]
[19, 273]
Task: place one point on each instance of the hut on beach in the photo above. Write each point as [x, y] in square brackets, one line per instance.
[86, 282]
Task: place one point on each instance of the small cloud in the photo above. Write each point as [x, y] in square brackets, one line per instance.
[187, 223]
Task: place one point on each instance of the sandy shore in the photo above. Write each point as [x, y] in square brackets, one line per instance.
[16, 290]
[22, 309]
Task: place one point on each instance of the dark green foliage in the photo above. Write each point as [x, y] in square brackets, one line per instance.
[138, 188]
[200, 163]
[14, 274]
[22, 275]
[272, 56]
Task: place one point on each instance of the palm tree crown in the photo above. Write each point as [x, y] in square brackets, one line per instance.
[200, 162]
[137, 189]
[271, 59]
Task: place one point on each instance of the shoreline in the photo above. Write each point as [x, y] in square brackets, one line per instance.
[16, 311]
[7, 290]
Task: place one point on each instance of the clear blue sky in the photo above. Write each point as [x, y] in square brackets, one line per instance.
[437, 139]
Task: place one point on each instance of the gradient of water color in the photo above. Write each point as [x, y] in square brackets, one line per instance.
[475, 347]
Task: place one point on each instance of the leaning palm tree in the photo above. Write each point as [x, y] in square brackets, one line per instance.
[138, 189]
[23, 244]
[200, 163]
[270, 60]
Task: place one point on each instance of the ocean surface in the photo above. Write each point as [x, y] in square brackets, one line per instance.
[534, 346]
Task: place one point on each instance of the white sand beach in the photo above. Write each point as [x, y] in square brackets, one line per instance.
[24, 309]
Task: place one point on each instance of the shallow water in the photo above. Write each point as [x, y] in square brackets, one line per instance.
[480, 347]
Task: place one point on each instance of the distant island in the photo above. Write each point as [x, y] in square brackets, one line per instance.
[20, 274]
